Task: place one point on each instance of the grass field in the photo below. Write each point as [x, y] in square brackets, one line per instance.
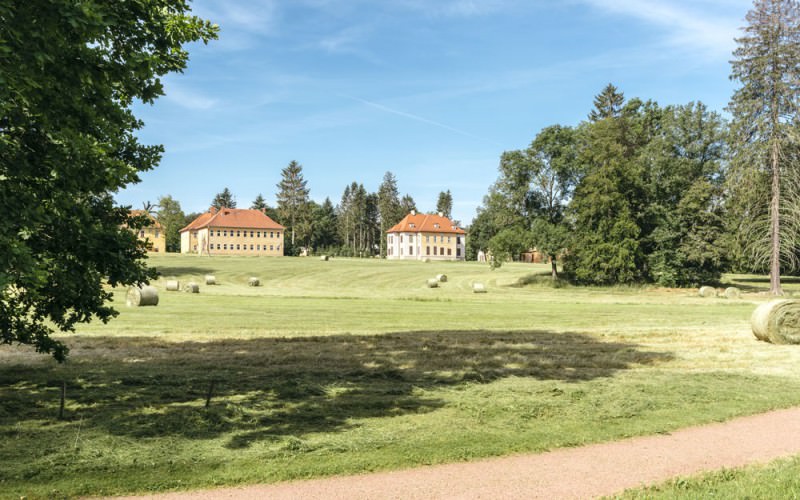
[355, 365]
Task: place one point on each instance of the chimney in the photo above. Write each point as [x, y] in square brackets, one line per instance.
[413, 212]
[441, 214]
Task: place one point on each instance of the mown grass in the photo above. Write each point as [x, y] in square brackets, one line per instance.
[350, 366]
[780, 479]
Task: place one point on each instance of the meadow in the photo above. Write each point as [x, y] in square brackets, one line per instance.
[351, 366]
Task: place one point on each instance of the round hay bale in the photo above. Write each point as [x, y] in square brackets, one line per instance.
[191, 287]
[324, 257]
[426, 260]
[441, 278]
[173, 285]
[211, 279]
[777, 322]
[433, 283]
[732, 292]
[707, 291]
[141, 296]
[253, 281]
[478, 288]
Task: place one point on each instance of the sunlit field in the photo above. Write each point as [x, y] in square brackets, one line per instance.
[350, 366]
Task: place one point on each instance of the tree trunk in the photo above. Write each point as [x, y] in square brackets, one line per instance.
[775, 224]
[554, 271]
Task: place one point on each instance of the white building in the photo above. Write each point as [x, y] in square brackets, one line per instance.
[425, 236]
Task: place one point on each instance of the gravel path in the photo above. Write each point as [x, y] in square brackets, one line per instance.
[585, 472]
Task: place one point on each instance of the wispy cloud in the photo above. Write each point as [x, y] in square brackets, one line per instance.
[189, 99]
[696, 27]
[455, 8]
[420, 119]
[351, 40]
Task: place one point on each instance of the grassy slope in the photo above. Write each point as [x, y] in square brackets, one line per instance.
[350, 366]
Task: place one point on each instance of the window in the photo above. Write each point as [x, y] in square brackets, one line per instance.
[427, 250]
[271, 234]
[449, 251]
[251, 246]
[458, 252]
[390, 239]
[238, 233]
[219, 246]
[217, 232]
[458, 240]
[448, 239]
[258, 247]
[441, 251]
[258, 234]
[237, 247]
[225, 233]
[279, 247]
[410, 250]
[225, 246]
[401, 238]
[156, 233]
[427, 239]
[251, 234]
[436, 226]
[271, 247]
[411, 239]
[434, 250]
[141, 233]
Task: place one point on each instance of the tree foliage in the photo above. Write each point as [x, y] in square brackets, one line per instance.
[444, 204]
[292, 198]
[172, 219]
[390, 210]
[224, 199]
[69, 74]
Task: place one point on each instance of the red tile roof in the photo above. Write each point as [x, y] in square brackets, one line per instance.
[426, 223]
[233, 217]
[138, 213]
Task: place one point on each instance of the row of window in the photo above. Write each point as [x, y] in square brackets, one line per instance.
[253, 234]
[427, 239]
[141, 233]
[436, 251]
[257, 248]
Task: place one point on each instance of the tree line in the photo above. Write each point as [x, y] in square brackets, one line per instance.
[356, 226]
[672, 195]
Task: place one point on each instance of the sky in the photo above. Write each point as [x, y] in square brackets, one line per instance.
[432, 90]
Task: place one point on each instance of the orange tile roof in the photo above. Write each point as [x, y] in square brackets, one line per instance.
[138, 213]
[233, 217]
[425, 223]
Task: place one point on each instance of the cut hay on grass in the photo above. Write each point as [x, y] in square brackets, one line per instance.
[777, 322]
[707, 291]
[191, 287]
[144, 296]
[253, 281]
[211, 279]
[173, 285]
[733, 293]
[478, 287]
[433, 283]
[441, 278]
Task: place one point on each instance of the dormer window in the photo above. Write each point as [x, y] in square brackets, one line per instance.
[411, 225]
[436, 226]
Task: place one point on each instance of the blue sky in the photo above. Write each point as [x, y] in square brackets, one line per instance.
[432, 90]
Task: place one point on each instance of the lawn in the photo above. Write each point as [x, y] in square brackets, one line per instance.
[350, 366]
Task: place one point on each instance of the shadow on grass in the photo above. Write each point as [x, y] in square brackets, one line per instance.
[267, 389]
[183, 270]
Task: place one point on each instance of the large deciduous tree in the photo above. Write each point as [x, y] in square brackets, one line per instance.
[765, 112]
[172, 219]
[69, 74]
[292, 196]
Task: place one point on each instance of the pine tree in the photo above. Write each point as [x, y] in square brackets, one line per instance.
[224, 200]
[607, 104]
[292, 196]
[407, 204]
[765, 107]
[390, 212]
[444, 204]
[259, 203]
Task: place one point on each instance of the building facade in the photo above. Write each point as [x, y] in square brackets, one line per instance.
[233, 231]
[425, 236]
[152, 234]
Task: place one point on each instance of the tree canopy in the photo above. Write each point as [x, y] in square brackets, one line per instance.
[69, 75]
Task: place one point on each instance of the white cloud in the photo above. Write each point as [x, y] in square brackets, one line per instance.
[454, 8]
[188, 99]
[702, 27]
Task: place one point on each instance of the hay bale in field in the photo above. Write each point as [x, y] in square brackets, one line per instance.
[191, 287]
[732, 292]
[426, 260]
[777, 322]
[324, 258]
[707, 291]
[141, 296]
[211, 279]
[173, 285]
[433, 283]
[253, 281]
[441, 278]
[478, 287]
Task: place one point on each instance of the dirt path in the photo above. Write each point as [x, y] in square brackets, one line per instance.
[585, 472]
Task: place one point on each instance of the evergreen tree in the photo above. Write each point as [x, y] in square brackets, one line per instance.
[325, 233]
[607, 104]
[765, 110]
[292, 196]
[444, 204]
[224, 200]
[407, 205]
[149, 208]
[172, 219]
[259, 203]
[389, 209]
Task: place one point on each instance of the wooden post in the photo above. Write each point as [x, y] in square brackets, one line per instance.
[210, 393]
[63, 399]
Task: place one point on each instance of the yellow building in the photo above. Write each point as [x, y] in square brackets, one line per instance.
[153, 234]
[233, 231]
[426, 236]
